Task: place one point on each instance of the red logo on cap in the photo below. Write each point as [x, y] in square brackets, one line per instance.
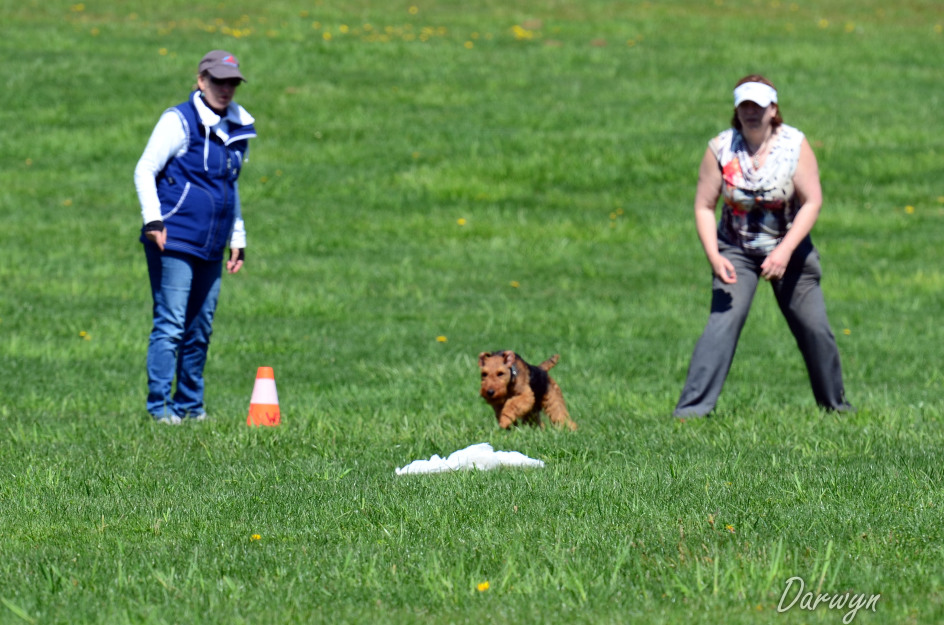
[230, 60]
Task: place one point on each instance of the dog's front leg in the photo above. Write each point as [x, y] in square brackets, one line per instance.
[514, 409]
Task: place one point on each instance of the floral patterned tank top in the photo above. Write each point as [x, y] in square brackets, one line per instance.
[758, 204]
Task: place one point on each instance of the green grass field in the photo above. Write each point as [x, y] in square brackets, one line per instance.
[432, 180]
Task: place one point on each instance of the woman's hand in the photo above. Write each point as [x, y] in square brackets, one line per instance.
[236, 259]
[158, 237]
[723, 268]
[775, 265]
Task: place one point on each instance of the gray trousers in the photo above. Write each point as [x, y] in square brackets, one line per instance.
[801, 301]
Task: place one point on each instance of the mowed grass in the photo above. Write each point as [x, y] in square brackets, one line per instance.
[433, 180]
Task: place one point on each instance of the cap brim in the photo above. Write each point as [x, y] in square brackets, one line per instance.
[225, 73]
[761, 102]
[761, 94]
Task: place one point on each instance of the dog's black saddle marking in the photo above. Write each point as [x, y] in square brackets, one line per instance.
[539, 383]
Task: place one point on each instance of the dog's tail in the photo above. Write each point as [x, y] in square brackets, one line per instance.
[550, 362]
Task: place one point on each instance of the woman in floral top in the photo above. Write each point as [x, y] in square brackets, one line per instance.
[766, 175]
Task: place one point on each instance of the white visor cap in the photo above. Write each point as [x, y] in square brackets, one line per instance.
[756, 92]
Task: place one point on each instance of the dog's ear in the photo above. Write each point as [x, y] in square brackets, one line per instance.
[482, 358]
[509, 357]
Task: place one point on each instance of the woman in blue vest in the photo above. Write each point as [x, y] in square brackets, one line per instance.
[186, 183]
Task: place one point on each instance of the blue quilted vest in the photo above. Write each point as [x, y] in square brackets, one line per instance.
[198, 189]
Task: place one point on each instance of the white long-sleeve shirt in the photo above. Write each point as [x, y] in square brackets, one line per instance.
[169, 140]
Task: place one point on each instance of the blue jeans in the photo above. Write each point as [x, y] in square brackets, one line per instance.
[185, 290]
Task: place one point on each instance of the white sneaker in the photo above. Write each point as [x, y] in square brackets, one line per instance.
[168, 420]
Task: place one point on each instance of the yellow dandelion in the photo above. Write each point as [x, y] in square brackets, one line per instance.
[847, 331]
[344, 28]
[85, 335]
[416, 155]
[483, 586]
[29, 162]
[515, 284]
[469, 45]
[255, 537]
[67, 202]
[95, 32]
[824, 23]
[414, 10]
[940, 198]
[461, 221]
[162, 51]
[521, 33]
[316, 25]
[326, 36]
[441, 339]
[78, 8]
[730, 528]
[909, 209]
[938, 29]
[849, 27]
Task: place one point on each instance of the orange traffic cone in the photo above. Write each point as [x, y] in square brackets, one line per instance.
[264, 404]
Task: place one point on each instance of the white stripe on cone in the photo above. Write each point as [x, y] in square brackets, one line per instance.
[263, 392]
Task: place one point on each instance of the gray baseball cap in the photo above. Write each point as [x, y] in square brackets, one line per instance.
[221, 64]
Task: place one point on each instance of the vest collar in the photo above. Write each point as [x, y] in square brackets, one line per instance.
[235, 114]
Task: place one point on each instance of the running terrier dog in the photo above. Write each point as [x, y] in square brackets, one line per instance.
[518, 391]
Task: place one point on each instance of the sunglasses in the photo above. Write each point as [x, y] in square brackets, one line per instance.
[229, 82]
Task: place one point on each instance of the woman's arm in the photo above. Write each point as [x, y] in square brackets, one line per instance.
[168, 139]
[706, 199]
[808, 189]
